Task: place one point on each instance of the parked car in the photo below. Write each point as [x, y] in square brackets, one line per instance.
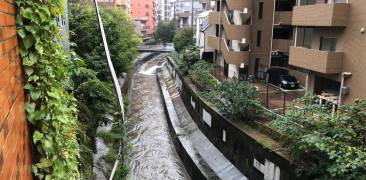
[274, 75]
[289, 82]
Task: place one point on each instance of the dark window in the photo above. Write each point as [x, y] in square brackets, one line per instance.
[147, 14]
[226, 70]
[146, 5]
[260, 11]
[259, 38]
[328, 44]
[285, 5]
[282, 33]
[256, 67]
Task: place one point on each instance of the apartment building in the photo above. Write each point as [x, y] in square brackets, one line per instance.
[186, 12]
[320, 42]
[124, 4]
[204, 30]
[166, 10]
[142, 10]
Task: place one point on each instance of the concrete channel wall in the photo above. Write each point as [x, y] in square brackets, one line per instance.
[192, 169]
[253, 159]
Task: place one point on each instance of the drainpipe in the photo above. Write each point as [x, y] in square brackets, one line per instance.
[219, 38]
[340, 98]
[273, 19]
[307, 82]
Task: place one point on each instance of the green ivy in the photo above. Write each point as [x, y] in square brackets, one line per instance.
[50, 109]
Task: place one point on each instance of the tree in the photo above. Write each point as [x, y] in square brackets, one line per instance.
[183, 39]
[165, 32]
[326, 146]
[121, 38]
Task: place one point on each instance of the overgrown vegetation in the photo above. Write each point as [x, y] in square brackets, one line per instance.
[165, 32]
[236, 100]
[326, 146]
[51, 110]
[201, 75]
[90, 74]
[183, 39]
[121, 37]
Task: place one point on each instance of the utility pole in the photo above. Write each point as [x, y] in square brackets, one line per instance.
[192, 14]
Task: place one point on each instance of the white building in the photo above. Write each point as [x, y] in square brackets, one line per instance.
[166, 10]
[185, 14]
[203, 30]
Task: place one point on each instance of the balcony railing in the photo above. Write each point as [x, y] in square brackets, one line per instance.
[320, 61]
[231, 57]
[233, 32]
[282, 45]
[239, 4]
[321, 15]
[283, 18]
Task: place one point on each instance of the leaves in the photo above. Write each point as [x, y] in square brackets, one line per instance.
[50, 109]
[324, 146]
[235, 99]
[37, 136]
[183, 39]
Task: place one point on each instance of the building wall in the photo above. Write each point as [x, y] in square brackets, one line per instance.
[15, 160]
[145, 8]
[353, 43]
[263, 53]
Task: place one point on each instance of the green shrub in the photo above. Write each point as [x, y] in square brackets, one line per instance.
[236, 100]
[191, 55]
[200, 74]
[326, 147]
[183, 39]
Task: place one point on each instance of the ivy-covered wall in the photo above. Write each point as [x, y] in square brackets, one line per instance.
[15, 161]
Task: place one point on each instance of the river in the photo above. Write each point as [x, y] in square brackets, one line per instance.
[152, 151]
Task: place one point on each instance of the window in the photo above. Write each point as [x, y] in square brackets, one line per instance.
[147, 14]
[328, 44]
[259, 38]
[260, 10]
[146, 5]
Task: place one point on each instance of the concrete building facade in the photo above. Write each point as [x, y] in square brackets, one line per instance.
[145, 9]
[124, 4]
[320, 42]
[186, 12]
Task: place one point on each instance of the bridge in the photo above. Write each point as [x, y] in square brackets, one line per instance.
[156, 48]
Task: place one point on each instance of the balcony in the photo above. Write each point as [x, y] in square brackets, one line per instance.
[321, 15]
[233, 32]
[320, 61]
[282, 45]
[231, 57]
[239, 4]
[283, 18]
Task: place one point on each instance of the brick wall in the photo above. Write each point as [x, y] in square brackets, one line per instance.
[15, 161]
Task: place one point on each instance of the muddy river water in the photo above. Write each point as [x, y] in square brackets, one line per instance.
[152, 151]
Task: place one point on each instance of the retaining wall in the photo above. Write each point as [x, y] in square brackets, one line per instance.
[245, 152]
